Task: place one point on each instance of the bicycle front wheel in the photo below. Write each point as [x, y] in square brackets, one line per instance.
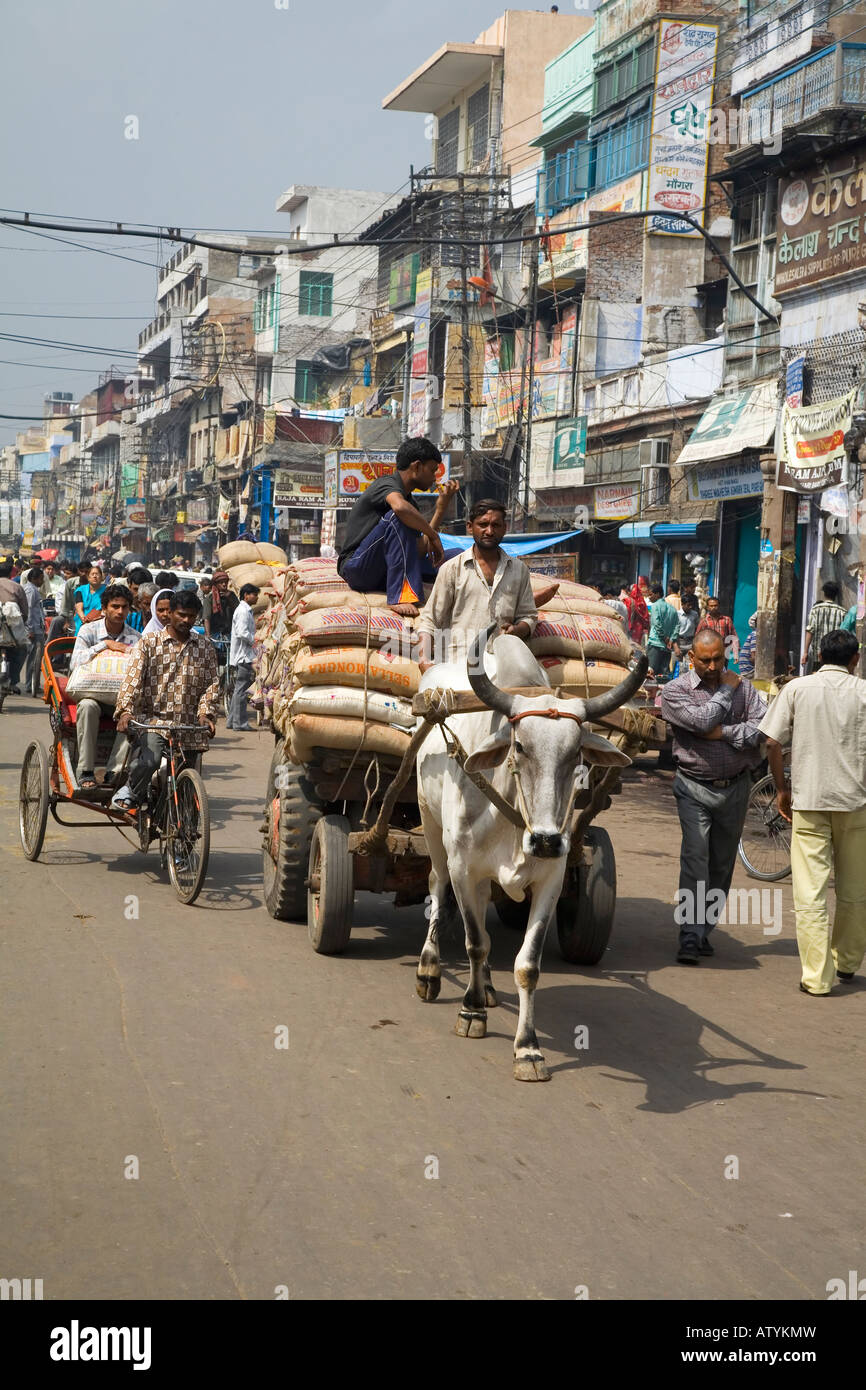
[765, 845]
[189, 836]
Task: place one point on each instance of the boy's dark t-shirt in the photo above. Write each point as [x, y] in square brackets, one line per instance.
[368, 511]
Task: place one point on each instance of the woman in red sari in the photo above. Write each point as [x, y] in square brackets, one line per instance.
[638, 613]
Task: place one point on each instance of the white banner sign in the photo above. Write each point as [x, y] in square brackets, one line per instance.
[678, 148]
[616, 501]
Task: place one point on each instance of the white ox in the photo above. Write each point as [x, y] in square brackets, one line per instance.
[534, 759]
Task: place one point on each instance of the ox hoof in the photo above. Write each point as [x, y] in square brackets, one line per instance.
[427, 987]
[490, 997]
[471, 1024]
[531, 1069]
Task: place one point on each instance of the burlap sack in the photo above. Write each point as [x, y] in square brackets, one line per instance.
[559, 610]
[347, 666]
[330, 598]
[575, 676]
[237, 553]
[329, 627]
[309, 731]
[566, 589]
[581, 637]
[255, 573]
[270, 554]
[345, 701]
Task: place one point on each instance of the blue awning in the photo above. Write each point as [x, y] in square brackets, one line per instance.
[676, 531]
[636, 531]
[518, 543]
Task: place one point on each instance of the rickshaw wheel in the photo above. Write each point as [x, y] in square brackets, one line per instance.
[33, 800]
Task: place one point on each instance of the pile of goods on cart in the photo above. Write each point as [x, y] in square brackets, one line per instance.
[338, 669]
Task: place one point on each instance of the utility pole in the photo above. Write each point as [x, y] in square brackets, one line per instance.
[533, 313]
[464, 337]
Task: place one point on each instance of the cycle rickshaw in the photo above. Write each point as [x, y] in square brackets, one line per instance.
[175, 815]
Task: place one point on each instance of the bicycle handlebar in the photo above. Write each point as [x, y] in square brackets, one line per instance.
[171, 728]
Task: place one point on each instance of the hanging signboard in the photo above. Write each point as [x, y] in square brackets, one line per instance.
[353, 470]
[679, 147]
[298, 489]
[136, 511]
[820, 228]
[569, 445]
[417, 424]
[733, 423]
[718, 482]
[794, 382]
[813, 455]
[616, 501]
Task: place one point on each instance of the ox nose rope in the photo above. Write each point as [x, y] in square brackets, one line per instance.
[514, 769]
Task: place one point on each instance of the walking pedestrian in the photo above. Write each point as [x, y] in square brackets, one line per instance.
[827, 615]
[715, 620]
[823, 718]
[14, 633]
[241, 657]
[715, 716]
[673, 595]
[687, 627]
[36, 627]
[746, 662]
[664, 622]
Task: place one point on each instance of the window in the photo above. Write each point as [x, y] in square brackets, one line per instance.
[477, 118]
[618, 80]
[264, 384]
[265, 311]
[315, 293]
[621, 150]
[448, 143]
[308, 383]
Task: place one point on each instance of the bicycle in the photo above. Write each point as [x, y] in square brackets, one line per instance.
[765, 844]
[227, 673]
[176, 811]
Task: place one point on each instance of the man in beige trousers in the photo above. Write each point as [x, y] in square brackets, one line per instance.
[823, 718]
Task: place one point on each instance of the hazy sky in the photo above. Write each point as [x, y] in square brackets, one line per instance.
[235, 101]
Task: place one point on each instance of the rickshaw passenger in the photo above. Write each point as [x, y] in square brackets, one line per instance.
[173, 678]
[111, 634]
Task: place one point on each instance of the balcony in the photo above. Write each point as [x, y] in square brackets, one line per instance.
[153, 329]
[833, 79]
[563, 180]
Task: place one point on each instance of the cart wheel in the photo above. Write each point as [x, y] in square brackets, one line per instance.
[584, 917]
[291, 812]
[331, 892]
[33, 799]
[188, 843]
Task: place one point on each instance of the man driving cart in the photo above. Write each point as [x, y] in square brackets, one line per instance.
[172, 678]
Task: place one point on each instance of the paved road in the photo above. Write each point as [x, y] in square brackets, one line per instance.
[152, 1038]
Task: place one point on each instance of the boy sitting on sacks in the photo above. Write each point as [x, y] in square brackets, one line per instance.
[475, 587]
[389, 546]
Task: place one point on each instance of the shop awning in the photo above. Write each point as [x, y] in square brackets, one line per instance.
[519, 543]
[731, 424]
[676, 531]
[633, 532]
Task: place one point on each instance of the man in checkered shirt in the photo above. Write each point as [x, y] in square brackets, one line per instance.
[172, 678]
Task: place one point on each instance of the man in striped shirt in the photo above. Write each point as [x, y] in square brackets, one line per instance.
[717, 621]
[827, 615]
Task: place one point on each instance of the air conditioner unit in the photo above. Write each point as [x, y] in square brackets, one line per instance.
[654, 457]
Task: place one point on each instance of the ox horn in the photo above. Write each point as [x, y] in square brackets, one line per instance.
[600, 705]
[483, 687]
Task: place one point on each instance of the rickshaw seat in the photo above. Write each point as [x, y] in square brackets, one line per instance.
[69, 710]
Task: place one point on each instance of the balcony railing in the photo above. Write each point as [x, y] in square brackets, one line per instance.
[835, 77]
[563, 180]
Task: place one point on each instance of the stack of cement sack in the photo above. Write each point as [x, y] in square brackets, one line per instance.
[338, 669]
[253, 562]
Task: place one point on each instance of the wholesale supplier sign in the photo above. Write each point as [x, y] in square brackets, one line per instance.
[679, 150]
[812, 456]
[821, 224]
[298, 489]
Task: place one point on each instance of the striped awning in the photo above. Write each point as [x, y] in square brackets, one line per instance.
[75, 537]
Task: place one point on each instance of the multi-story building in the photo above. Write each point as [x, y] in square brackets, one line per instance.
[197, 365]
[795, 177]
